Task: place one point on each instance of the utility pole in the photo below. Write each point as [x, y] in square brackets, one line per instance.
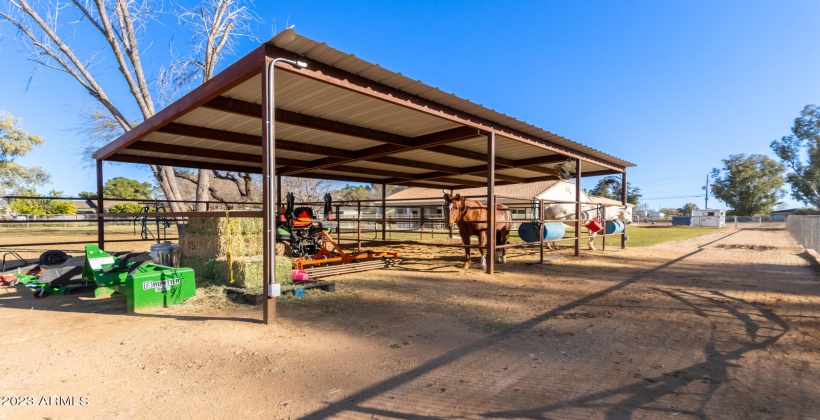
[706, 198]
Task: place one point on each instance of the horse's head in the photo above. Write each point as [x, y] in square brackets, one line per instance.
[454, 205]
[619, 213]
[624, 216]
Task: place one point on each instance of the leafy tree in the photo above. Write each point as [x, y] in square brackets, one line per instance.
[670, 211]
[127, 208]
[604, 189]
[610, 187]
[52, 205]
[61, 207]
[352, 192]
[749, 184]
[48, 205]
[376, 191]
[127, 189]
[687, 209]
[803, 143]
[15, 142]
[26, 205]
[633, 194]
[87, 195]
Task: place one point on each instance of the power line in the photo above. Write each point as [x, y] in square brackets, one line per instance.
[668, 178]
[670, 197]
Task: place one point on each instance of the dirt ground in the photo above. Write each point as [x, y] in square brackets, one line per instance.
[725, 325]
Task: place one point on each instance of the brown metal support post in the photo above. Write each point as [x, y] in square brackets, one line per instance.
[384, 211]
[421, 224]
[268, 194]
[278, 196]
[577, 207]
[100, 206]
[541, 231]
[338, 226]
[491, 202]
[359, 226]
[602, 209]
[623, 202]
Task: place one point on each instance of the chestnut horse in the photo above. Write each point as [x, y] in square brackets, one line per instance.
[461, 211]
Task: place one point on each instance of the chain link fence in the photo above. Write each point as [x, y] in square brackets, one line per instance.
[806, 230]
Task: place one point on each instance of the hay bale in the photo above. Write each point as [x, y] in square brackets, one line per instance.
[202, 245]
[247, 272]
[206, 242]
[221, 225]
[216, 236]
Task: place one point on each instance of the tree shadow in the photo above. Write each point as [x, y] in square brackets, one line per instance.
[355, 401]
[762, 327]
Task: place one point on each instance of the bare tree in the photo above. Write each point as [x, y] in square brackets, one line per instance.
[306, 189]
[229, 188]
[121, 24]
[215, 24]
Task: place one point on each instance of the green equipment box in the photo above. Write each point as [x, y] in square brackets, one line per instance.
[144, 284]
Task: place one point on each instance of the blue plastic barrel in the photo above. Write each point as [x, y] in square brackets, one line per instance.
[552, 231]
[614, 226]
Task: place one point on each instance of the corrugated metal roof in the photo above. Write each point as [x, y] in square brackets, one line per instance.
[291, 41]
[348, 120]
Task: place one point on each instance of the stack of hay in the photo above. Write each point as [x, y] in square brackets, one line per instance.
[207, 241]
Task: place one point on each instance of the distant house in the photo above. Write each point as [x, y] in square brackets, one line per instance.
[650, 213]
[518, 197]
[781, 215]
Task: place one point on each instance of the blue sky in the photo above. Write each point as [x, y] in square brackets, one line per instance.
[673, 87]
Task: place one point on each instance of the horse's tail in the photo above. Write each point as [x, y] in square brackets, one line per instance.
[499, 237]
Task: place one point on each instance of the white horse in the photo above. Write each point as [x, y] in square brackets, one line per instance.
[588, 212]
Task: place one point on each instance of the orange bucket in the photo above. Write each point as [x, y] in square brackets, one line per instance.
[595, 225]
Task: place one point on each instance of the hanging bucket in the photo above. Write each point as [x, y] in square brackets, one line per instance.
[594, 225]
[614, 226]
[528, 232]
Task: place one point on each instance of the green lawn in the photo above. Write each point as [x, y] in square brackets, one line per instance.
[650, 235]
[638, 235]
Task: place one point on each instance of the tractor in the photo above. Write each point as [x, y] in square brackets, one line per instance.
[304, 238]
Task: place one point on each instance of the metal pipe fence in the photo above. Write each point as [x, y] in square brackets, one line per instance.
[806, 230]
[354, 221]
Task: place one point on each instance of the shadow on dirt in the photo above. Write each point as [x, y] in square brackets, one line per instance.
[763, 328]
[355, 402]
[20, 297]
[722, 351]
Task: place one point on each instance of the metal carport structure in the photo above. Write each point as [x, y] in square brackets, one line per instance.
[342, 118]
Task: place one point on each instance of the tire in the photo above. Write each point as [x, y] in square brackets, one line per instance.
[53, 257]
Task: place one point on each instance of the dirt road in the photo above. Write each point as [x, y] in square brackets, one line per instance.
[725, 325]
